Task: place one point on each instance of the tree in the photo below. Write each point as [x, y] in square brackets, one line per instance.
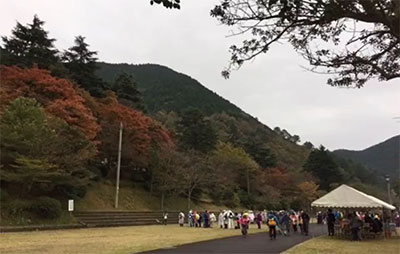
[308, 145]
[260, 153]
[295, 139]
[57, 96]
[233, 168]
[29, 45]
[372, 50]
[193, 173]
[165, 167]
[39, 149]
[127, 91]
[278, 131]
[81, 63]
[285, 134]
[23, 130]
[196, 132]
[321, 165]
[308, 192]
[140, 133]
[175, 4]
[275, 187]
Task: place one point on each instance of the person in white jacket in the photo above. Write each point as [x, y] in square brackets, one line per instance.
[213, 219]
[221, 219]
[231, 217]
[181, 219]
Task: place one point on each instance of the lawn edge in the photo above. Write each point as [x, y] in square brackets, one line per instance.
[304, 242]
[201, 241]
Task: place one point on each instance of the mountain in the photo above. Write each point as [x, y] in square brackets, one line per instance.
[166, 90]
[383, 158]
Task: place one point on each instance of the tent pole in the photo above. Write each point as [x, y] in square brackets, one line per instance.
[383, 223]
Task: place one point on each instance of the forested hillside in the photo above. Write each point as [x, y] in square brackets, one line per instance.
[383, 158]
[168, 90]
[166, 94]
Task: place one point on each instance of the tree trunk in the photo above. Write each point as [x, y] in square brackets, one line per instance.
[248, 182]
[162, 201]
[189, 199]
[151, 184]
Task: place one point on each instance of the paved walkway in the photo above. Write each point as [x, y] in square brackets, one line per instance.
[256, 243]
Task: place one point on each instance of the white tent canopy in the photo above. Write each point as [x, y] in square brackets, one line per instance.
[347, 197]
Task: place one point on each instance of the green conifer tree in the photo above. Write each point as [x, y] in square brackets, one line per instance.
[128, 93]
[29, 45]
[81, 64]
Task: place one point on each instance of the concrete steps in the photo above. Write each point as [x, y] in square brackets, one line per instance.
[123, 218]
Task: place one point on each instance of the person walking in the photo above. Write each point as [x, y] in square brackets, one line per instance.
[226, 219]
[258, 220]
[319, 217]
[244, 222]
[213, 219]
[293, 221]
[237, 218]
[285, 223]
[191, 219]
[165, 218]
[206, 217]
[230, 220]
[264, 216]
[272, 222]
[331, 222]
[221, 219]
[196, 217]
[306, 221]
[201, 219]
[300, 219]
[355, 225]
[181, 219]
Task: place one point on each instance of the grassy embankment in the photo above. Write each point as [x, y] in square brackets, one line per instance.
[100, 196]
[328, 245]
[119, 240]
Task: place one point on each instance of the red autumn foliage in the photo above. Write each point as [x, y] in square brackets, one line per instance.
[140, 132]
[280, 179]
[57, 96]
[98, 119]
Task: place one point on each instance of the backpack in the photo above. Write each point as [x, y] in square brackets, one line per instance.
[271, 222]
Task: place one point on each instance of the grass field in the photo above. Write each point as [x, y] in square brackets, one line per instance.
[328, 245]
[109, 240]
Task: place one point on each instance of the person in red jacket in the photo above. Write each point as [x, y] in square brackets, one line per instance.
[244, 223]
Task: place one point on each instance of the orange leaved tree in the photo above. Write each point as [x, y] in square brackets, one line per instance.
[57, 96]
[140, 134]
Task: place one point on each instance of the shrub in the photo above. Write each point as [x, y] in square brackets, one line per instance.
[18, 207]
[4, 196]
[232, 199]
[46, 207]
[246, 200]
[70, 191]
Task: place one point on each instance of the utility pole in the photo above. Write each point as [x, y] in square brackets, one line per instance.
[119, 164]
[388, 189]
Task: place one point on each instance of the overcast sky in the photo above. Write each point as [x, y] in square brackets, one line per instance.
[274, 88]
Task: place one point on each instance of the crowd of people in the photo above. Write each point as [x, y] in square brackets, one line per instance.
[288, 222]
[282, 221]
[353, 222]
